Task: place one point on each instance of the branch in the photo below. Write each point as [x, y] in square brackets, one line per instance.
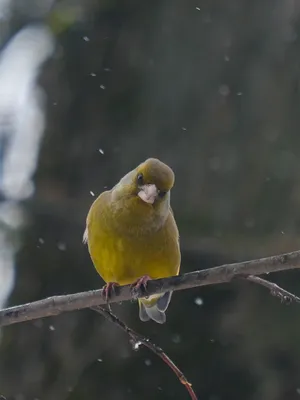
[137, 339]
[225, 273]
[275, 290]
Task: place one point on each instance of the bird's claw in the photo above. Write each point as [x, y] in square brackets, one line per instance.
[140, 286]
[108, 290]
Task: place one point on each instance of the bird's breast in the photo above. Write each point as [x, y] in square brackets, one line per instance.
[123, 249]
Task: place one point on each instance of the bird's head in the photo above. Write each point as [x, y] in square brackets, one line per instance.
[149, 184]
[154, 180]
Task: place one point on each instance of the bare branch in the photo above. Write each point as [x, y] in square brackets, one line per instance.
[58, 304]
[275, 290]
[137, 339]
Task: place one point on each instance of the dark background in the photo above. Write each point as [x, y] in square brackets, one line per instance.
[211, 88]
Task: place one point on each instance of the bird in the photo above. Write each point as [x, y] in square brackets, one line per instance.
[132, 235]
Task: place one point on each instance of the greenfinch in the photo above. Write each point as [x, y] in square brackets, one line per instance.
[132, 235]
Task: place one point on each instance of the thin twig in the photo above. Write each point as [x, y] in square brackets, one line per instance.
[275, 290]
[137, 339]
[224, 273]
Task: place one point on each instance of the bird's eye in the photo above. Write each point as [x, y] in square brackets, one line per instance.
[140, 179]
[162, 194]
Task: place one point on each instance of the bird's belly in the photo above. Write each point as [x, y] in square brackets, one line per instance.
[125, 259]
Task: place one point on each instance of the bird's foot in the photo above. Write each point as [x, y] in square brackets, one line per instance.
[108, 290]
[140, 285]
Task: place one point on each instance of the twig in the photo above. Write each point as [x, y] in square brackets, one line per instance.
[275, 290]
[224, 273]
[138, 339]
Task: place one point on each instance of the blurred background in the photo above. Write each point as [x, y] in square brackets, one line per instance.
[89, 89]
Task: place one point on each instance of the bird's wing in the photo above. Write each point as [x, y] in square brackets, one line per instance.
[94, 211]
[85, 236]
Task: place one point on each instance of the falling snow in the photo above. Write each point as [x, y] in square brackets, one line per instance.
[176, 338]
[61, 246]
[224, 90]
[198, 301]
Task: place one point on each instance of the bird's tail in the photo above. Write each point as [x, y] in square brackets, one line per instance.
[154, 307]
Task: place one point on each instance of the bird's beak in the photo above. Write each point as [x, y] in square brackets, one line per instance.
[148, 193]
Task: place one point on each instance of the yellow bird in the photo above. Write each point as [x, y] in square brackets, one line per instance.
[132, 235]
